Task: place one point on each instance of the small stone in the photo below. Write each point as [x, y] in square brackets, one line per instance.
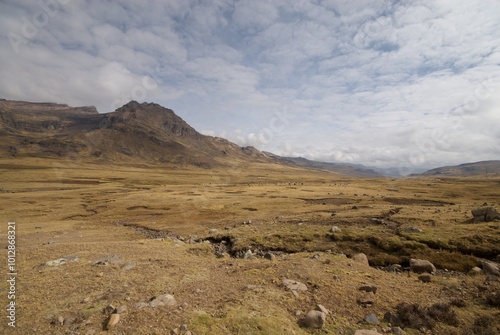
[183, 327]
[298, 313]
[109, 309]
[86, 300]
[269, 256]
[248, 255]
[113, 321]
[361, 258]
[335, 229]
[313, 319]
[175, 331]
[366, 332]
[294, 285]
[188, 333]
[100, 274]
[128, 266]
[141, 305]
[368, 288]
[322, 308]
[372, 318]
[122, 309]
[163, 300]
[60, 320]
[475, 271]
[69, 320]
[213, 231]
[367, 300]
[425, 278]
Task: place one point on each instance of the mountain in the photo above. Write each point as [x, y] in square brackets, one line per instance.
[345, 169]
[134, 133]
[485, 168]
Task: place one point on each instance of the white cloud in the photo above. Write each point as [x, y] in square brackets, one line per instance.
[374, 82]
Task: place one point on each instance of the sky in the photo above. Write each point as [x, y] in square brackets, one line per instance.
[405, 84]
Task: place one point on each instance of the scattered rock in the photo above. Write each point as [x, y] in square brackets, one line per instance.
[107, 260]
[368, 288]
[128, 266]
[361, 258]
[335, 229]
[313, 319]
[122, 309]
[368, 299]
[485, 214]
[294, 285]
[163, 300]
[62, 260]
[322, 308]
[421, 266]
[490, 268]
[269, 256]
[113, 321]
[372, 318]
[425, 278]
[109, 309]
[475, 271]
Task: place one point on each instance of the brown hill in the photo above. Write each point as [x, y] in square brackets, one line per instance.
[135, 133]
[485, 168]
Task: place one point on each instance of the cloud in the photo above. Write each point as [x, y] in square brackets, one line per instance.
[387, 83]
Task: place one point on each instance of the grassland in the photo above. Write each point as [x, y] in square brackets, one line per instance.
[159, 218]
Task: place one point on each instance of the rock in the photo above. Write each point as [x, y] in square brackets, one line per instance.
[391, 318]
[183, 327]
[372, 318]
[128, 266]
[122, 309]
[109, 309]
[313, 319]
[163, 300]
[361, 258]
[366, 332]
[248, 255]
[62, 260]
[377, 220]
[188, 333]
[141, 305]
[69, 320]
[425, 278]
[175, 331]
[294, 285]
[485, 214]
[368, 299]
[475, 271]
[269, 256]
[490, 268]
[213, 231]
[368, 288]
[335, 229]
[113, 321]
[107, 260]
[421, 266]
[322, 308]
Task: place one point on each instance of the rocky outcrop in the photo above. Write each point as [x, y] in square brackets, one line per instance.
[485, 214]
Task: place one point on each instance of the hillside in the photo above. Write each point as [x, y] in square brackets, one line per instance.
[485, 168]
[136, 133]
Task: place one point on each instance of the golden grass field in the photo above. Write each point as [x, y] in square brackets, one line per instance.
[65, 208]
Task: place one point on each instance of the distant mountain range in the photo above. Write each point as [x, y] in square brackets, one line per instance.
[136, 133]
[149, 134]
[485, 168]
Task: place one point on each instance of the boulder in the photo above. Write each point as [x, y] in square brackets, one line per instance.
[425, 278]
[491, 268]
[313, 319]
[113, 321]
[368, 288]
[372, 318]
[294, 285]
[485, 214]
[368, 299]
[421, 266]
[163, 300]
[361, 258]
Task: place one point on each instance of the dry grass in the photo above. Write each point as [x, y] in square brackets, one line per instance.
[63, 208]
